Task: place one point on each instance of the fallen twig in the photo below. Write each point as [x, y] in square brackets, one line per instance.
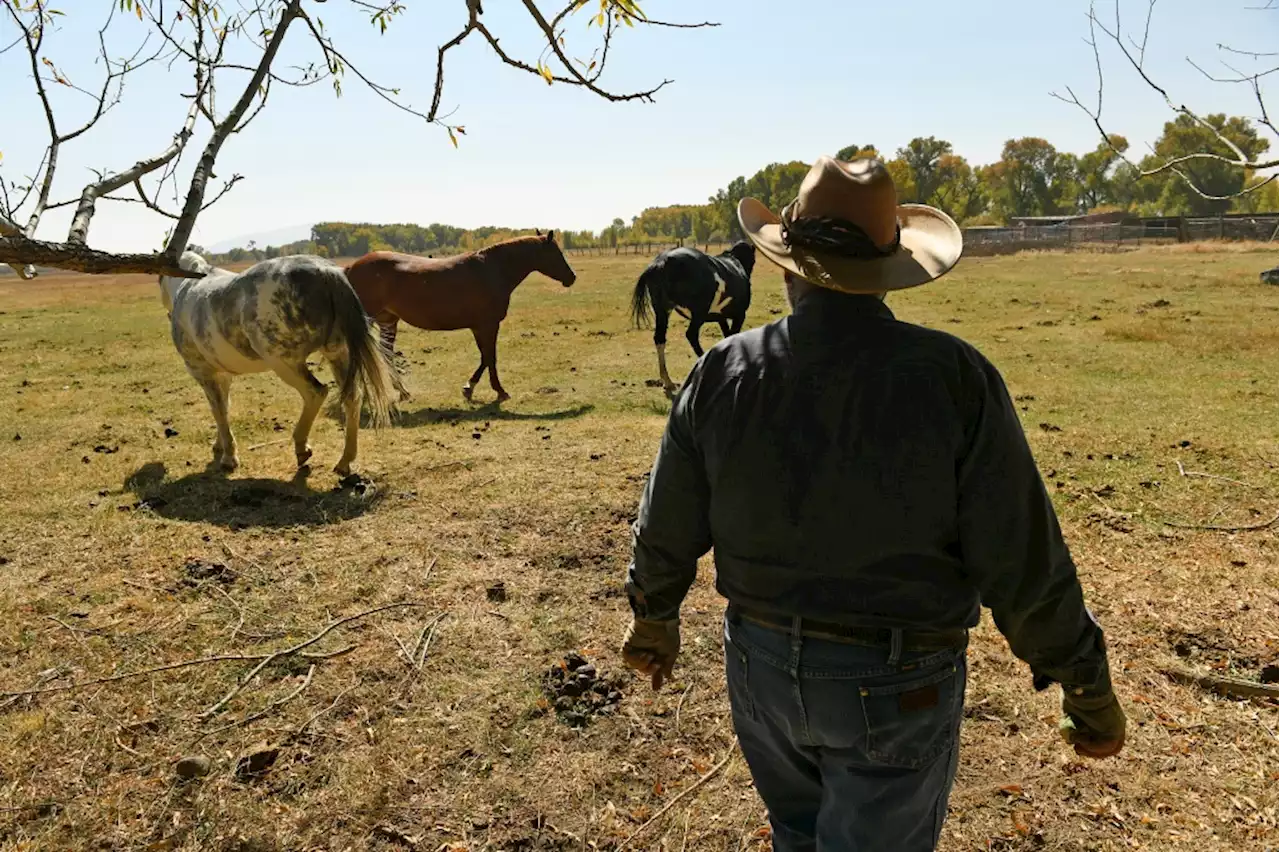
[270, 658]
[274, 705]
[318, 714]
[221, 658]
[426, 643]
[685, 792]
[1182, 471]
[680, 703]
[268, 444]
[1226, 686]
[1222, 528]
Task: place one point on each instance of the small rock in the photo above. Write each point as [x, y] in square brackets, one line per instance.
[196, 766]
[17, 437]
[1049, 427]
[170, 432]
[103, 448]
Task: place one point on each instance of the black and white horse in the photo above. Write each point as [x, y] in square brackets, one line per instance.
[707, 287]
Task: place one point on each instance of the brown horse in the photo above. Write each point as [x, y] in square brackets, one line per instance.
[470, 290]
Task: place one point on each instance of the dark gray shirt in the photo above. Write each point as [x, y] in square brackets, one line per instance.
[849, 467]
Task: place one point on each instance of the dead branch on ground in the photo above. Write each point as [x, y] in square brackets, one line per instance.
[683, 793]
[1228, 687]
[264, 660]
[267, 659]
[1259, 526]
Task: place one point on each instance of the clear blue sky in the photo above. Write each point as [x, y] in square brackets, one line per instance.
[773, 82]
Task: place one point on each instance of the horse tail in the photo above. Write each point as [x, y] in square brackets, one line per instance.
[368, 363]
[642, 298]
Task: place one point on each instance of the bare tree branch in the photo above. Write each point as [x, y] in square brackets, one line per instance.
[1170, 164]
[204, 168]
[207, 29]
[19, 249]
[79, 231]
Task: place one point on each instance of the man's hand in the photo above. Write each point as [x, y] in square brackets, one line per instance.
[1094, 724]
[651, 647]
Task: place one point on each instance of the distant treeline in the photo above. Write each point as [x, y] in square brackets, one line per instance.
[1031, 178]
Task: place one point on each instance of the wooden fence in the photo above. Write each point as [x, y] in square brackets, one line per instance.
[996, 240]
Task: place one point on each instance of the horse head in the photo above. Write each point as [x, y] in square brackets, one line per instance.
[550, 260]
[745, 253]
[169, 285]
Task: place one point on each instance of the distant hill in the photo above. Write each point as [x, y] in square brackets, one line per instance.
[274, 237]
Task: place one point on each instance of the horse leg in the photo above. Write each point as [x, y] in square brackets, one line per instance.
[736, 325]
[351, 426]
[660, 320]
[313, 393]
[388, 324]
[724, 327]
[475, 377]
[218, 389]
[487, 339]
[695, 326]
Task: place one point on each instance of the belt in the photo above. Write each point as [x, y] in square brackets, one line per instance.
[912, 640]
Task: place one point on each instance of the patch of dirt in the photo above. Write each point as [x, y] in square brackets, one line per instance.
[578, 692]
[198, 571]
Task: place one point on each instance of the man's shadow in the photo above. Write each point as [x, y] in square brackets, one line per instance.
[238, 503]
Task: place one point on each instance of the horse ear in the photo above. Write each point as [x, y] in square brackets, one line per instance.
[551, 235]
[538, 231]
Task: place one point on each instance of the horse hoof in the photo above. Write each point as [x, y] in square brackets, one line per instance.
[304, 457]
[503, 397]
[343, 470]
[229, 464]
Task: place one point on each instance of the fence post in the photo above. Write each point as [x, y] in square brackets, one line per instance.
[1221, 231]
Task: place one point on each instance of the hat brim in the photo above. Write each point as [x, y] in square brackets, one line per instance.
[930, 245]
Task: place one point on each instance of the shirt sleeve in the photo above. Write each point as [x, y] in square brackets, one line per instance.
[1014, 551]
[672, 529]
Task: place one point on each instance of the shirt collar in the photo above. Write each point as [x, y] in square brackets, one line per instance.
[822, 305]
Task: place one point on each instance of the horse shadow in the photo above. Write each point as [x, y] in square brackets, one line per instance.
[212, 497]
[491, 411]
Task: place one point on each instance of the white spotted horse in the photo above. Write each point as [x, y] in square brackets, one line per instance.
[708, 287]
[272, 317]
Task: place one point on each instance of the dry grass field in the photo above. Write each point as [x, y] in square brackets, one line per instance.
[495, 541]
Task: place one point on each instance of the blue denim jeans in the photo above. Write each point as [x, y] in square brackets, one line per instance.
[850, 749]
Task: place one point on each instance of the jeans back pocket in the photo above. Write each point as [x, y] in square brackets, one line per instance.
[910, 722]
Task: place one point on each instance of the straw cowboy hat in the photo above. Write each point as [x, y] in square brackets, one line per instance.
[846, 231]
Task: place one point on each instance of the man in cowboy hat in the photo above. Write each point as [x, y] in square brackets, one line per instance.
[867, 486]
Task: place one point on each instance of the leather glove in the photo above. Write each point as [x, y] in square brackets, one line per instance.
[651, 647]
[1094, 723]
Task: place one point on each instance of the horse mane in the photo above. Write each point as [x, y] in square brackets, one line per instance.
[514, 241]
